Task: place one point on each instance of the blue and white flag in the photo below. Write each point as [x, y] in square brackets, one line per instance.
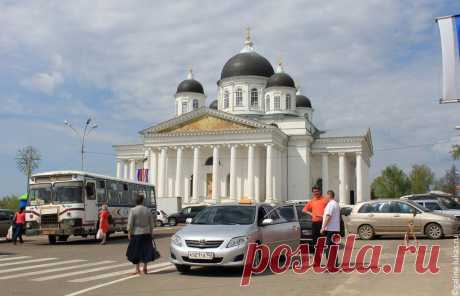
[449, 27]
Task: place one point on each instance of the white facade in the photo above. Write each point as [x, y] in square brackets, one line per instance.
[247, 149]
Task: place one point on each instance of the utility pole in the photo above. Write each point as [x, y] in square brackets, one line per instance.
[85, 131]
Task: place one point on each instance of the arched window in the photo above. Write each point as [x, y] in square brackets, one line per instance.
[267, 103]
[239, 97]
[254, 98]
[226, 99]
[288, 102]
[277, 103]
[184, 107]
[195, 104]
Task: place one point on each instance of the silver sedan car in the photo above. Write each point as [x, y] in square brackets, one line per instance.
[219, 235]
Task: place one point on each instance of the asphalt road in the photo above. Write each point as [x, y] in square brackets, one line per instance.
[83, 267]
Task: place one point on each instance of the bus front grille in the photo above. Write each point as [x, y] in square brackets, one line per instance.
[49, 220]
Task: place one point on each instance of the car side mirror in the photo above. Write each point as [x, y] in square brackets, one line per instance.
[188, 221]
[267, 221]
[414, 212]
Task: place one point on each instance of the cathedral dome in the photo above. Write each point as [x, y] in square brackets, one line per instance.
[302, 101]
[213, 105]
[247, 63]
[280, 79]
[190, 85]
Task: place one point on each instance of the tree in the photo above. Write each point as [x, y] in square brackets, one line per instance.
[392, 183]
[421, 178]
[455, 151]
[449, 181]
[9, 202]
[27, 160]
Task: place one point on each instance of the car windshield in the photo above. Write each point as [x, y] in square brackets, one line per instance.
[418, 206]
[68, 192]
[449, 203]
[226, 215]
[40, 194]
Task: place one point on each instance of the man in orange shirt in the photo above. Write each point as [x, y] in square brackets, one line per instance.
[315, 208]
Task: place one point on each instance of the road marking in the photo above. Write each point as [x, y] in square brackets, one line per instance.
[62, 275]
[27, 261]
[101, 285]
[164, 268]
[116, 273]
[14, 258]
[41, 265]
[32, 273]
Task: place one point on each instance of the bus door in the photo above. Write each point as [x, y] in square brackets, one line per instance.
[90, 202]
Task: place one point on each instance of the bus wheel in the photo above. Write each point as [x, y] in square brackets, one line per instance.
[52, 239]
[62, 238]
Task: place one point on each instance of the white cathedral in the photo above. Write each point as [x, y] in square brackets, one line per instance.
[256, 141]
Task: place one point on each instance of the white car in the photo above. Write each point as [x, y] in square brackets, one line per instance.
[162, 218]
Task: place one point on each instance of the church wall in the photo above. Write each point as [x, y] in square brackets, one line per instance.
[334, 174]
[316, 170]
[296, 171]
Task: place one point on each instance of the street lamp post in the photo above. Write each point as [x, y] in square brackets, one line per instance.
[86, 130]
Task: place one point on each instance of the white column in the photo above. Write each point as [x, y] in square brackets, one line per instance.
[132, 169]
[233, 173]
[269, 174]
[215, 174]
[342, 179]
[153, 168]
[162, 173]
[325, 172]
[179, 184]
[359, 177]
[251, 171]
[118, 168]
[196, 173]
[125, 169]
[279, 175]
[308, 167]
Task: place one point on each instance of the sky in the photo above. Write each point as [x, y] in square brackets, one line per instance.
[364, 64]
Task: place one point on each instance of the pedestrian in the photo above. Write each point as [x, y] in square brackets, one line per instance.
[331, 221]
[19, 221]
[140, 229]
[104, 224]
[315, 208]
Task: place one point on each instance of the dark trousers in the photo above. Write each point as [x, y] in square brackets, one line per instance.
[17, 233]
[330, 242]
[316, 231]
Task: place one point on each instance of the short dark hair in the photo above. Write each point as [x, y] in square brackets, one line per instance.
[315, 188]
[139, 199]
[331, 193]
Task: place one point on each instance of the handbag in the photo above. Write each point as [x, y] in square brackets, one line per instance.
[156, 254]
[9, 234]
[99, 234]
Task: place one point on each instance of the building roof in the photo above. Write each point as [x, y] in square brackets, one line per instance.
[280, 79]
[247, 64]
[190, 85]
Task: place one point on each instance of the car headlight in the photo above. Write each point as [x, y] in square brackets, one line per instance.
[176, 240]
[237, 241]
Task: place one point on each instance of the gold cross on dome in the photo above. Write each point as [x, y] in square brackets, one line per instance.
[248, 33]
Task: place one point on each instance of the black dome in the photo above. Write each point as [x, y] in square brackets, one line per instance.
[302, 101]
[190, 85]
[213, 105]
[247, 63]
[280, 79]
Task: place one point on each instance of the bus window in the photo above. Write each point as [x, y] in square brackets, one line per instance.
[90, 191]
[101, 194]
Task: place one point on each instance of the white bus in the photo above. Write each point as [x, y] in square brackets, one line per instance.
[64, 203]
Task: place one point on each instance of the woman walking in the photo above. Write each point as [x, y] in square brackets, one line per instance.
[140, 228]
[18, 225]
[104, 223]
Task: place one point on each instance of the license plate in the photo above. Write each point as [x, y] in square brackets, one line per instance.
[201, 255]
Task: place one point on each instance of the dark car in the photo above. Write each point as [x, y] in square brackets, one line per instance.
[182, 215]
[305, 223]
[6, 217]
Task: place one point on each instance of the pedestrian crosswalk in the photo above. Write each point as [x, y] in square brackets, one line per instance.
[78, 270]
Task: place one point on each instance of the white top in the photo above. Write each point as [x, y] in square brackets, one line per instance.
[333, 210]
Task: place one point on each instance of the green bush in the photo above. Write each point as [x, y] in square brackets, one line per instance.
[9, 202]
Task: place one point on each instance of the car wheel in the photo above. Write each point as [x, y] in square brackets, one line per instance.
[52, 239]
[366, 232]
[62, 238]
[433, 231]
[172, 221]
[182, 268]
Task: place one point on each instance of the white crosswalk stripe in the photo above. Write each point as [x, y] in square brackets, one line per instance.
[41, 265]
[9, 258]
[39, 272]
[62, 275]
[117, 273]
[26, 261]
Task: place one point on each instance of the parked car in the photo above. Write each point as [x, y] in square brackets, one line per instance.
[6, 218]
[437, 203]
[391, 217]
[219, 234]
[182, 215]
[162, 218]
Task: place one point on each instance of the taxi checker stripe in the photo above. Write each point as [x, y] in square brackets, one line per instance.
[62, 275]
[31, 273]
[14, 258]
[41, 265]
[116, 273]
[27, 261]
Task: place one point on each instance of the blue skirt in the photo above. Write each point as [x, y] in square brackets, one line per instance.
[140, 249]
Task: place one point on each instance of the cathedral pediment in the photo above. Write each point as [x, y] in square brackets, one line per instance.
[205, 120]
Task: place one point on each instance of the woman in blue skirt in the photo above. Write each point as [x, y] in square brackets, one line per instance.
[140, 228]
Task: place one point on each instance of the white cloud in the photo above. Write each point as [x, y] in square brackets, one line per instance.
[44, 82]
